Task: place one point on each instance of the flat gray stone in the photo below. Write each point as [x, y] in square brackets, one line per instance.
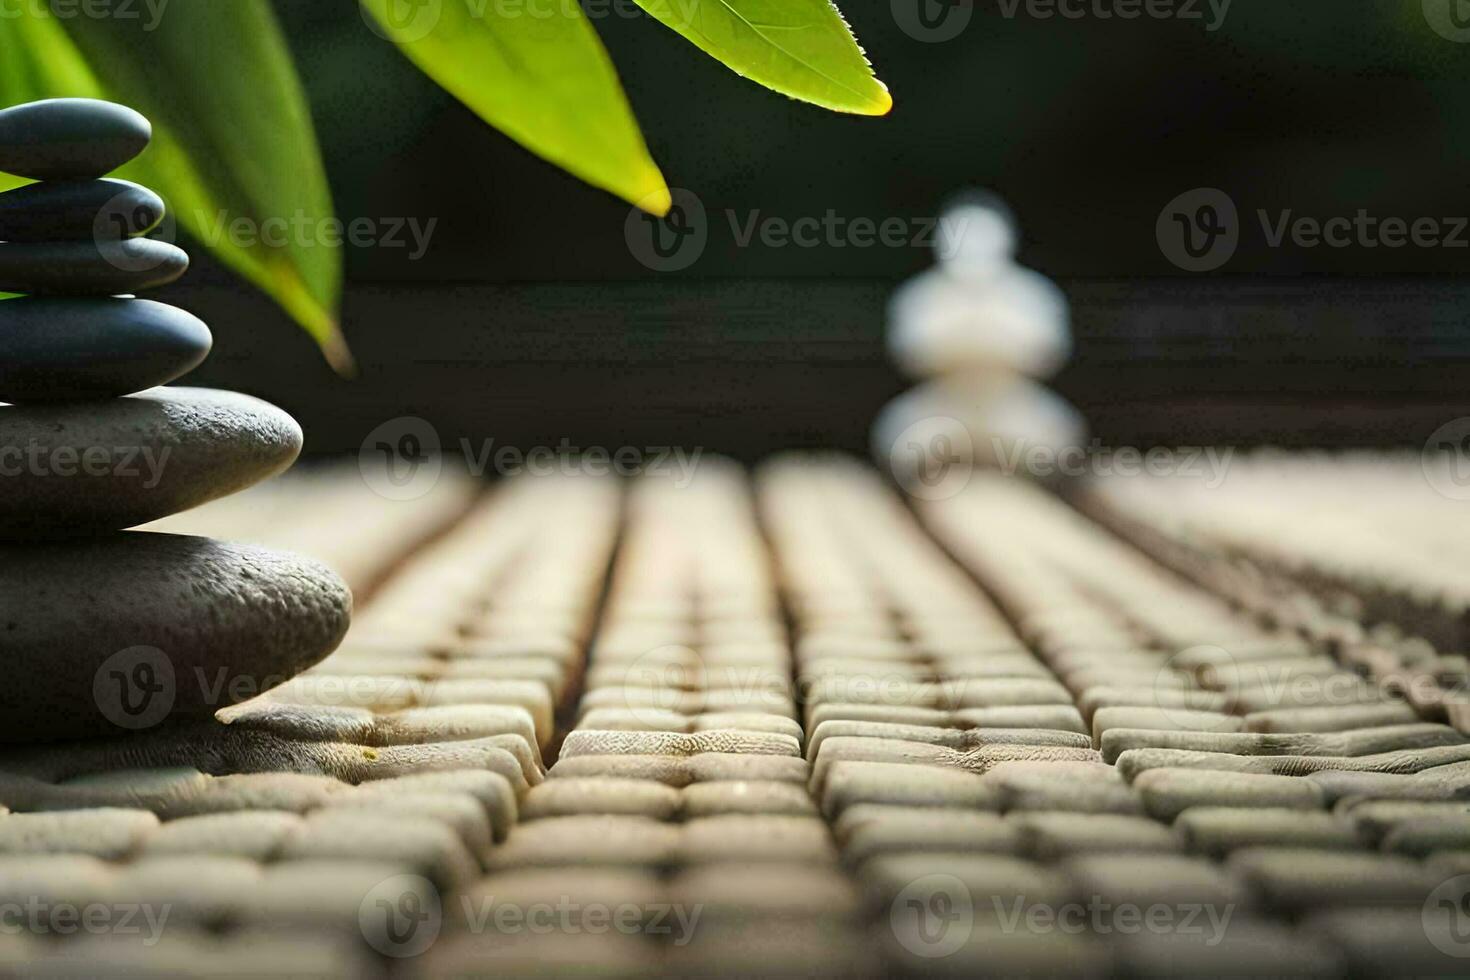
[1405, 942]
[1169, 792]
[323, 897]
[1339, 786]
[586, 742]
[594, 796]
[765, 891]
[967, 739]
[1376, 819]
[202, 889]
[1295, 879]
[588, 841]
[1240, 947]
[285, 774]
[78, 210]
[126, 631]
[423, 844]
[868, 830]
[105, 268]
[1422, 838]
[58, 349]
[603, 954]
[1149, 879]
[1161, 719]
[257, 835]
[459, 812]
[1331, 717]
[1053, 836]
[493, 791]
[1078, 787]
[978, 760]
[1404, 761]
[767, 797]
[994, 881]
[681, 771]
[1218, 830]
[60, 138]
[82, 468]
[859, 783]
[37, 869]
[1357, 743]
[112, 834]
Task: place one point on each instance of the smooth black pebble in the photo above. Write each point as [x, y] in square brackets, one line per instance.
[78, 210]
[60, 349]
[89, 268]
[67, 138]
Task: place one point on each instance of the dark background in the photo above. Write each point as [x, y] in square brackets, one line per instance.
[529, 320]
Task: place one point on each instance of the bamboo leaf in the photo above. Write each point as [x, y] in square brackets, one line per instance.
[40, 62]
[232, 135]
[539, 76]
[800, 48]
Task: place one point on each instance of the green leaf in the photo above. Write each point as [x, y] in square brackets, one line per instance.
[39, 62]
[232, 136]
[541, 77]
[800, 48]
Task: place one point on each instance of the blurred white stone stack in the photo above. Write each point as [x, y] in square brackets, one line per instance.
[979, 331]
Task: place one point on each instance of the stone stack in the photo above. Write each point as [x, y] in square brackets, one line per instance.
[982, 330]
[100, 628]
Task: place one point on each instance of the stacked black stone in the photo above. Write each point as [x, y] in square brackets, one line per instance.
[73, 241]
[102, 627]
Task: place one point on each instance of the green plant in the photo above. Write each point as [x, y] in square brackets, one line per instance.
[233, 135]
